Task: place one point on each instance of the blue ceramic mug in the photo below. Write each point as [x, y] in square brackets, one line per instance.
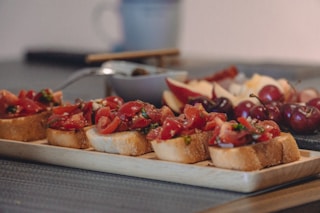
[143, 24]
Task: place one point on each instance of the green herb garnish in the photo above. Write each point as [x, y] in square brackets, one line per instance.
[187, 139]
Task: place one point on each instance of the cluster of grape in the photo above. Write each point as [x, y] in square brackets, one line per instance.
[301, 118]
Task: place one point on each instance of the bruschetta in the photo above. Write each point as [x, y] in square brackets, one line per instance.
[124, 131]
[68, 124]
[249, 145]
[23, 117]
[184, 138]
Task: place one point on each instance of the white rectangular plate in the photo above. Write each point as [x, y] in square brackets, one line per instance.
[148, 166]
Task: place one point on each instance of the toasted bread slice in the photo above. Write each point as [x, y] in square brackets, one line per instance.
[68, 138]
[187, 149]
[131, 143]
[26, 128]
[279, 150]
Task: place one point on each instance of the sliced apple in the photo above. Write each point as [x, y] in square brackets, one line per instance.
[257, 82]
[290, 93]
[172, 101]
[237, 89]
[183, 91]
[219, 91]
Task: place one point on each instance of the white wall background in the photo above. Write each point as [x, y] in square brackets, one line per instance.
[264, 30]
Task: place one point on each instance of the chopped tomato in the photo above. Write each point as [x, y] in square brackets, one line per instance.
[250, 127]
[154, 134]
[29, 106]
[67, 122]
[269, 128]
[65, 109]
[106, 126]
[214, 119]
[102, 112]
[140, 122]
[228, 135]
[165, 112]
[75, 121]
[171, 127]
[215, 136]
[45, 96]
[130, 109]
[195, 116]
[114, 102]
[7, 99]
[88, 112]
[27, 94]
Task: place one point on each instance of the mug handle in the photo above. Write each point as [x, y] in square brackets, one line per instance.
[99, 9]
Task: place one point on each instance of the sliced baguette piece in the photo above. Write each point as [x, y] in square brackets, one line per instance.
[132, 143]
[187, 149]
[280, 150]
[26, 128]
[69, 138]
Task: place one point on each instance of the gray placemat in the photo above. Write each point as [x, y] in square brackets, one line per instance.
[33, 187]
[310, 142]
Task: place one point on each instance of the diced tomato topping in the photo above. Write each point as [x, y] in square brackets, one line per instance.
[27, 94]
[140, 122]
[214, 119]
[88, 112]
[114, 102]
[129, 109]
[228, 135]
[244, 132]
[7, 99]
[76, 121]
[45, 96]
[26, 103]
[66, 109]
[106, 126]
[171, 127]
[269, 128]
[154, 133]
[67, 122]
[195, 116]
[29, 106]
[102, 112]
[246, 124]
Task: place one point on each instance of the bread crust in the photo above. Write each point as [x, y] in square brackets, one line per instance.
[279, 150]
[132, 143]
[183, 150]
[68, 138]
[26, 128]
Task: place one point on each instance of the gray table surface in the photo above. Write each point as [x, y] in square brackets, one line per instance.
[35, 187]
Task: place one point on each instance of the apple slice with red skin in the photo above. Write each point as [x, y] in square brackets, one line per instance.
[169, 99]
[183, 91]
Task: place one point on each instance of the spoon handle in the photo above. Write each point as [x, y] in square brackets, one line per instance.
[81, 73]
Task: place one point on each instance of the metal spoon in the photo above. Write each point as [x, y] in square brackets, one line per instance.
[88, 72]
